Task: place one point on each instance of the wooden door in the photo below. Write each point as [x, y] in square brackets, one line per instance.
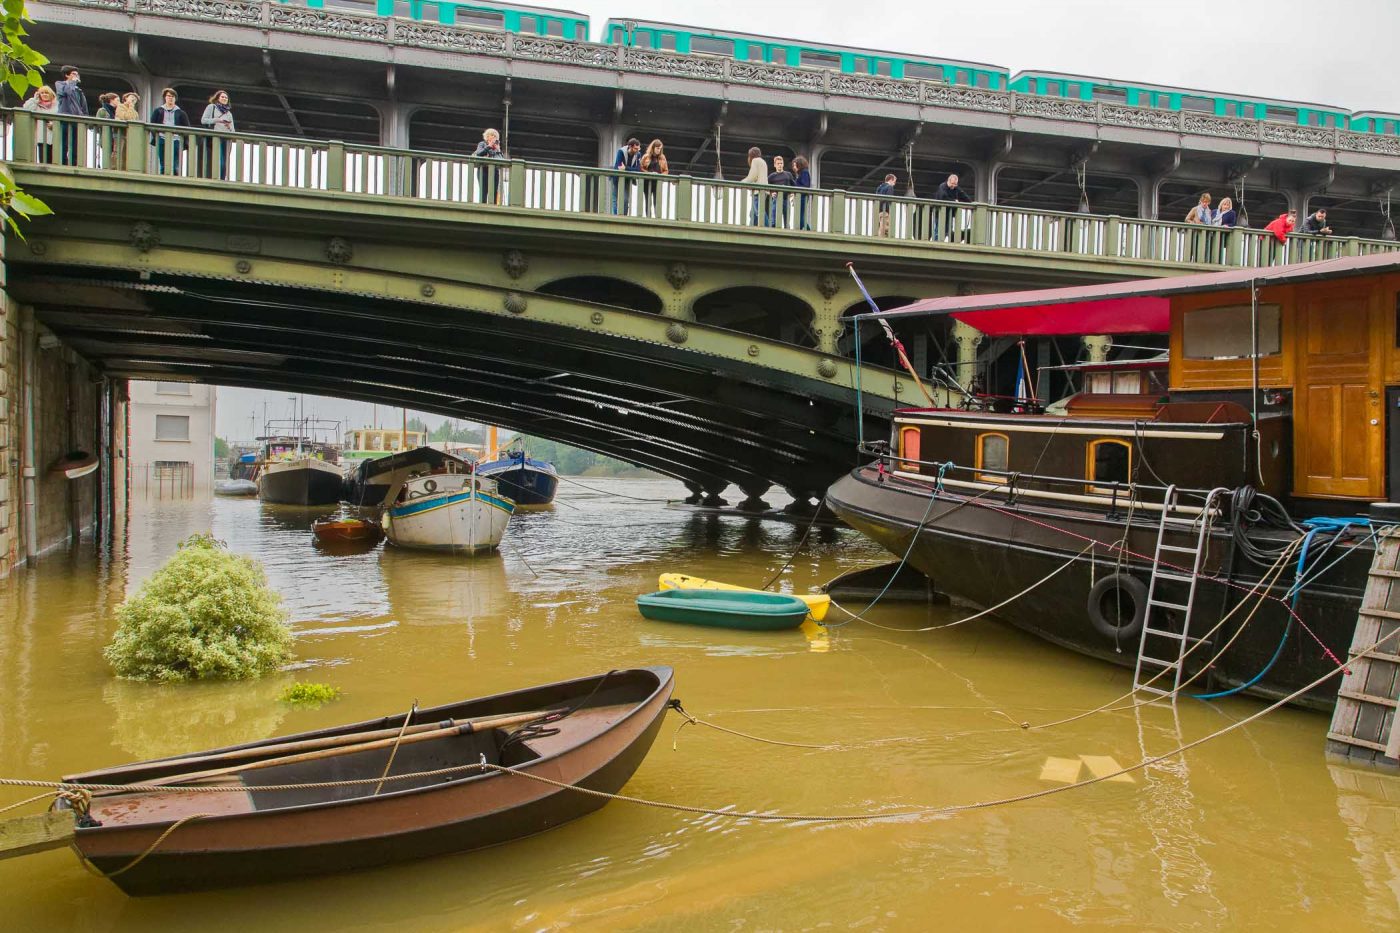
[1339, 411]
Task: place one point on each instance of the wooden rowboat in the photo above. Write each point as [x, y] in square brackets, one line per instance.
[745, 609]
[817, 603]
[247, 836]
[347, 532]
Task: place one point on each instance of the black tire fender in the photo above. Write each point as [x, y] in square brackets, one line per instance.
[1131, 591]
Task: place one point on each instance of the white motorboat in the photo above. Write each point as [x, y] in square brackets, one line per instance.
[458, 512]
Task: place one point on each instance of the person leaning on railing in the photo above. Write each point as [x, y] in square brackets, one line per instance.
[169, 114]
[44, 103]
[489, 179]
[653, 163]
[217, 116]
[947, 191]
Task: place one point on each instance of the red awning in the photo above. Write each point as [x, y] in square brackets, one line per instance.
[1147, 314]
[1135, 307]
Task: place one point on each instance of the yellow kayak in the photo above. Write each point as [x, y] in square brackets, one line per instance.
[817, 603]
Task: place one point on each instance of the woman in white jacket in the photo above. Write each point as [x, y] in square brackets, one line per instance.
[217, 116]
[44, 103]
[758, 175]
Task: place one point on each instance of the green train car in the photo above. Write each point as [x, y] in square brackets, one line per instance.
[1079, 87]
[530, 20]
[694, 40]
[1373, 121]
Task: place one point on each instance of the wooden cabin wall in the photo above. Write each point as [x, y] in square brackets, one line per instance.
[1338, 356]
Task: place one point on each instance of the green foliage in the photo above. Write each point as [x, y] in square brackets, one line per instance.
[462, 434]
[220, 448]
[20, 69]
[308, 694]
[572, 461]
[206, 614]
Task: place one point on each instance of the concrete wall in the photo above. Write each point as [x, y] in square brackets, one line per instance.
[149, 401]
[67, 398]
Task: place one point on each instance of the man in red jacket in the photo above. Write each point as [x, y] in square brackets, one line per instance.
[1283, 225]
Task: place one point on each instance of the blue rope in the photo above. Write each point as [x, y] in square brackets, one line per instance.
[1314, 525]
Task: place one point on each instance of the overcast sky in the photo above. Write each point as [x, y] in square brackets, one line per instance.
[1337, 52]
[1340, 52]
[239, 413]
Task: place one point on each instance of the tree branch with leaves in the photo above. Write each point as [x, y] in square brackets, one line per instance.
[21, 68]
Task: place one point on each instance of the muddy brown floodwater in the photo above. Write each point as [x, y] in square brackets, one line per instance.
[1254, 830]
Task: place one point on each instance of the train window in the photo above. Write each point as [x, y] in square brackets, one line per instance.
[982, 79]
[862, 65]
[992, 454]
[1224, 333]
[819, 59]
[712, 45]
[668, 41]
[554, 27]
[529, 24]
[926, 72]
[1197, 104]
[470, 17]
[641, 40]
[1108, 461]
[1114, 95]
[884, 66]
[1280, 115]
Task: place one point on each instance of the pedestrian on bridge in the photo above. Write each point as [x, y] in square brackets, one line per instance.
[169, 113]
[1280, 227]
[948, 191]
[758, 175]
[218, 116]
[886, 187]
[653, 163]
[72, 102]
[44, 103]
[802, 178]
[489, 179]
[778, 208]
[626, 159]
[127, 111]
[1316, 224]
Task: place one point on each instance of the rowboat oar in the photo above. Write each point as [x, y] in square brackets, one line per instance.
[424, 733]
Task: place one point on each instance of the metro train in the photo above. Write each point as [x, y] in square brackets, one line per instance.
[694, 40]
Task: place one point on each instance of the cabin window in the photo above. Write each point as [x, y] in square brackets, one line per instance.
[909, 444]
[1127, 383]
[1109, 461]
[813, 59]
[992, 450]
[172, 427]
[1224, 333]
[1098, 383]
[711, 45]
[1156, 382]
[926, 72]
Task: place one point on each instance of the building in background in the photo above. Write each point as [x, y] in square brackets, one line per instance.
[171, 454]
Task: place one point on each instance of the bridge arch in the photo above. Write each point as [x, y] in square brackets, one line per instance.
[922, 337]
[605, 290]
[759, 311]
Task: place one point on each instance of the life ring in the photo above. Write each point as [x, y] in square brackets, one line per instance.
[1118, 607]
[430, 485]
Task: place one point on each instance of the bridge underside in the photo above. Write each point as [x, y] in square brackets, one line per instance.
[705, 420]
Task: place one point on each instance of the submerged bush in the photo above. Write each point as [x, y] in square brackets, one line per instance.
[206, 614]
[309, 694]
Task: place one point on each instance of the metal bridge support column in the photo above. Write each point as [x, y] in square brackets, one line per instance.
[696, 494]
[713, 488]
[753, 501]
[801, 503]
[1097, 347]
[967, 338]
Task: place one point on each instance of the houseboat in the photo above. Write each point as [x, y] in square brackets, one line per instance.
[1239, 477]
[449, 510]
[297, 469]
[531, 483]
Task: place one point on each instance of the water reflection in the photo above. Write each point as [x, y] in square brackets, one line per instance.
[1369, 804]
[158, 720]
[425, 588]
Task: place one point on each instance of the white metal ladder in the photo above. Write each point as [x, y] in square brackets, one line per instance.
[1158, 630]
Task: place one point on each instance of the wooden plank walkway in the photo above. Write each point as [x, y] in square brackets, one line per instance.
[1363, 727]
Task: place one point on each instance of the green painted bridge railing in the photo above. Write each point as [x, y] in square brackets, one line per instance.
[629, 197]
